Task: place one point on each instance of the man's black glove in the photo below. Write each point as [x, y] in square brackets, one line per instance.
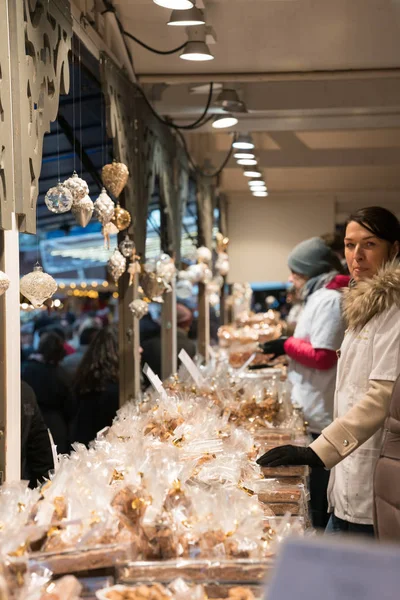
[290, 455]
[276, 347]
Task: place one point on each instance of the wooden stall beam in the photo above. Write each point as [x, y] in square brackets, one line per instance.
[168, 335]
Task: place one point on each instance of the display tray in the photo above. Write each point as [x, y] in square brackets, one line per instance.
[243, 572]
[216, 590]
[76, 561]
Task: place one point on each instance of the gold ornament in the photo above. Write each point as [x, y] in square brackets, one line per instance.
[153, 286]
[121, 219]
[4, 283]
[222, 242]
[38, 286]
[83, 210]
[115, 177]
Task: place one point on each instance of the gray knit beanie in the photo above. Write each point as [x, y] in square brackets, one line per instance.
[311, 258]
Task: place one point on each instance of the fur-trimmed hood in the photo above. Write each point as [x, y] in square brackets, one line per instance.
[373, 296]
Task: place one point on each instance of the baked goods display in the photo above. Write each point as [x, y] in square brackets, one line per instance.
[174, 478]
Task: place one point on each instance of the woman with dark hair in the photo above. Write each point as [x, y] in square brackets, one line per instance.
[369, 364]
[53, 393]
[96, 387]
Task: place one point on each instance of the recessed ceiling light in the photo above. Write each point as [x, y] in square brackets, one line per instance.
[175, 4]
[197, 51]
[224, 121]
[243, 142]
[260, 194]
[247, 162]
[243, 155]
[248, 173]
[187, 18]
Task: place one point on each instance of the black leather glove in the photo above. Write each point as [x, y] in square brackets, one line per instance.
[290, 455]
[276, 347]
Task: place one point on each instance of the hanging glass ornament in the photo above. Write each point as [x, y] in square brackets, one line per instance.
[203, 255]
[127, 247]
[121, 218]
[115, 177]
[165, 268]
[77, 186]
[104, 207]
[83, 210]
[134, 268]
[4, 283]
[58, 199]
[116, 265]
[38, 286]
[153, 286]
[222, 264]
[139, 308]
[108, 230]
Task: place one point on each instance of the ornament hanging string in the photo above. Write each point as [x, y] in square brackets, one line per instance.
[73, 111]
[80, 97]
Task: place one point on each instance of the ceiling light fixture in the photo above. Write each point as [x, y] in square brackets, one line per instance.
[196, 48]
[175, 4]
[243, 155]
[229, 100]
[224, 121]
[187, 18]
[244, 142]
[261, 188]
[247, 162]
[256, 183]
[260, 194]
[248, 173]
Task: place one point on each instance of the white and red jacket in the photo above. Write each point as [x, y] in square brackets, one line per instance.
[312, 350]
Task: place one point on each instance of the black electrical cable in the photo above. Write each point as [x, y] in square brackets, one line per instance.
[195, 125]
[111, 8]
[150, 48]
[198, 123]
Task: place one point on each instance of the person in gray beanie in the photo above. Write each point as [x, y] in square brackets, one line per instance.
[311, 258]
[316, 277]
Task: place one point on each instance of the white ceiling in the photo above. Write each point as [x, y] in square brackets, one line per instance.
[320, 78]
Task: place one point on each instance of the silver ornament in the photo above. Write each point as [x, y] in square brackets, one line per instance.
[4, 283]
[116, 265]
[83, 210]
[104, 207]
[139, 308]
[165, 268]
[38, 286]
[77, 186]
[59, 199]
[203, 255]
[127, 247]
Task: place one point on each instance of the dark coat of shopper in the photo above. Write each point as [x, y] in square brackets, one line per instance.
[36, 452]
[387, 476]
[150, 340]
[96, 387]
[52, 389]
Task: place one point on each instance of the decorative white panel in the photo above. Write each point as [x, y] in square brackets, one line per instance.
[41, 34]
[6, 158]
